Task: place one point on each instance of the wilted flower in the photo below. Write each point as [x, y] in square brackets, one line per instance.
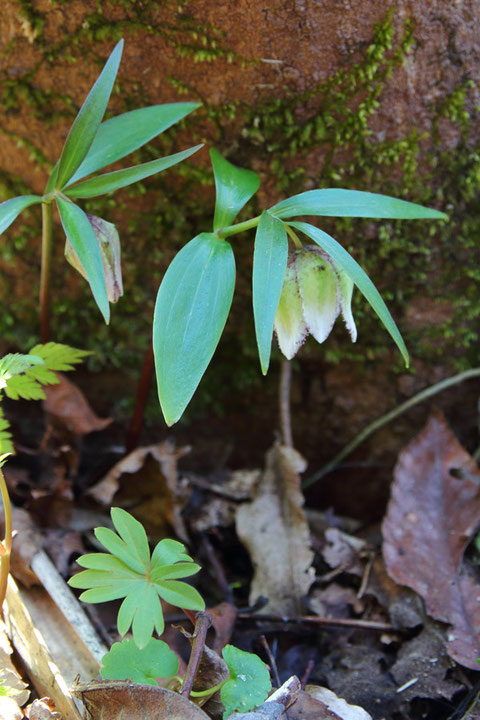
[315, 291]
[109, 244]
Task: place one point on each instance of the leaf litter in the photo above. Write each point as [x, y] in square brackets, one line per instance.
[331, 570]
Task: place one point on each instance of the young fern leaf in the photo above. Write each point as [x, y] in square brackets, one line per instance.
[128, 571]
[16, 363]
[55, 357]
[6, 444]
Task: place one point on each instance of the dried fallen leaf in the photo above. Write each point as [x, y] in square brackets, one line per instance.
[432, 515]
[344, 710]
[67, 405]
[274, 529]
[125, 701]
[307, 707]
[43, 709]
[158, 493]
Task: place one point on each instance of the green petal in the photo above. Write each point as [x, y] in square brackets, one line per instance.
[317, 281]
[289, 323]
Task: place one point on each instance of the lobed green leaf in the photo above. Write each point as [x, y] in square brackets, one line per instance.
[121, 135]
[191, 310]
[85, 125]
[133, 534]
[168, 552]
[125, 661]
[337, 202]
[359, 277]
[172, 572]
[11, 209]
[121, 178]
[269, 265]
[180, 594]
[234, 187]
[84, 241]
[24, 387]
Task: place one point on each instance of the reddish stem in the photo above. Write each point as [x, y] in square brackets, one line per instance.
[143, 389]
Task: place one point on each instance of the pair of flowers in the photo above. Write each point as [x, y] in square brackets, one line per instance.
[316, 290]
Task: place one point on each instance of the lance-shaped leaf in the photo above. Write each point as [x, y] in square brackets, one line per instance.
[234, 187]
[121, 178]
[84, 241]
[192, 307]
[11, 209]
[86, 123]
[352, 203]
[119, 136]
[359, 277]
[269, 265]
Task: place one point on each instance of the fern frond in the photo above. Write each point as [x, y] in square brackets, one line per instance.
[16, 363]
[58, 358]
[25, 387]
[6, 445]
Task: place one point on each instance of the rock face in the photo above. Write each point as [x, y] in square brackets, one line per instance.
[309, 93]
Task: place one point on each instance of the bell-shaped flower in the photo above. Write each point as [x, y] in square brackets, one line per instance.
[109, 244]
[316, 290]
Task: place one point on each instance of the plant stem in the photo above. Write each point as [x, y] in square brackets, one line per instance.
[238, 228]
[284, 403]
[202, 624]
[47, 224]
[208, 691]
[6, 546]
[143, 390]
[388, 417]
[293, 236]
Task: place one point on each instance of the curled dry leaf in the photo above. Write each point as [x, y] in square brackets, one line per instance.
[337, 705]
[68, 406]
[432, 515]
[274, 529]
[125, 701]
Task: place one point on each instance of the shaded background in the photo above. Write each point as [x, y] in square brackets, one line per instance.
[308, 93]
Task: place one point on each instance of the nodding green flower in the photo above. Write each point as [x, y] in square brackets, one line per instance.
[109, 244]
[316, 290]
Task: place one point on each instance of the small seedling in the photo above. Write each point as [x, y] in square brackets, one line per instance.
[92, 244]
[128, 571]
[23, 376]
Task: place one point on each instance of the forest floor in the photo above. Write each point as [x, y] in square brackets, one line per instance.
[386, 616]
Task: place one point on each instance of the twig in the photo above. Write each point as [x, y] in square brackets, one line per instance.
[284, 403]
[271, 659]
[307, 673]
[218, 570]
[203, 622]
[141, 399]
[388, 417]
[314, 620]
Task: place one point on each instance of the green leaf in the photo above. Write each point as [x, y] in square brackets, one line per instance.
[124, 661]
[86, 124]
[169, 551]
[192, 307]
[11, 209]
[24, 387]
[269, 265]
[352, 203]
[359, 277]
[6, 444]
[59, 357]
[249, 682]
[84, 241]
[121, 178]
[127, 573]
[119, 136]
[234, 187]
[16, 363]
[133, 535]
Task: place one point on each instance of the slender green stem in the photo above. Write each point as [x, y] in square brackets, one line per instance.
[47, 226]
[6, 546]
[238, 228]
[208, 691]
[293, 235]
[384, 419]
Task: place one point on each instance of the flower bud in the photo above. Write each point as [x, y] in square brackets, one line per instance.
[315, 291]
[109, 245]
